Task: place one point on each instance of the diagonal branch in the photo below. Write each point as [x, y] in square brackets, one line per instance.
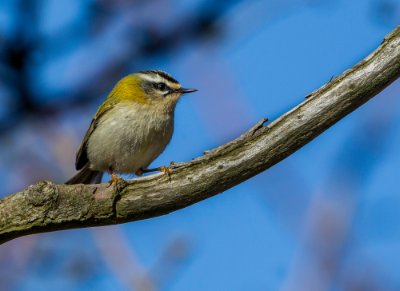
[47, 207]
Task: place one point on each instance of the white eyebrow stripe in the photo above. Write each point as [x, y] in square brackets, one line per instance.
[155, 78]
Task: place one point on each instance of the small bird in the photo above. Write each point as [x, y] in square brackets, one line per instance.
[131, 128]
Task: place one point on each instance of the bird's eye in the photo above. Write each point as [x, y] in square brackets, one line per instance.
[160, 86]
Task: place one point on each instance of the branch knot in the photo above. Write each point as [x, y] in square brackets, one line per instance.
[44, 193]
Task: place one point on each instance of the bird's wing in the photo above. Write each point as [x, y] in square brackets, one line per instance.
[81, 156]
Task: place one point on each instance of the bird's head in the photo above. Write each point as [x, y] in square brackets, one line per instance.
[153, 87]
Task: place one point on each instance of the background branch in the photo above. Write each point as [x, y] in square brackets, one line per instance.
[46, 207]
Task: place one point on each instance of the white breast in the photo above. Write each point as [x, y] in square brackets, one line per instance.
[129, 138]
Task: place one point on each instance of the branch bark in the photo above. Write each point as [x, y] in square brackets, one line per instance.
[47, 207]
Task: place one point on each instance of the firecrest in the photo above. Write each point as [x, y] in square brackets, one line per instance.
[131, 128]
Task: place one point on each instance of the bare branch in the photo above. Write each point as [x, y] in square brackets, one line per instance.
[47, 207]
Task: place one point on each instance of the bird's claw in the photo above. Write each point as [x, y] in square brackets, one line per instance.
[115, 180]
[165, 170]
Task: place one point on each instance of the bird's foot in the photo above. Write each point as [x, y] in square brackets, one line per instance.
[118, 182]
[115, 179]
[165, 169]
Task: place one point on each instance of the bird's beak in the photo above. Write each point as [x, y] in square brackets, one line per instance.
[185, 90]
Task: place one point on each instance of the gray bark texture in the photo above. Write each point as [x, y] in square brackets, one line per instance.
[45, 206]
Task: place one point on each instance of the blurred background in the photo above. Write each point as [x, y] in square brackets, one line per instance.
[326, 218]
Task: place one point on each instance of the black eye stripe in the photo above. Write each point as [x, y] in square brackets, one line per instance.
[161, 86]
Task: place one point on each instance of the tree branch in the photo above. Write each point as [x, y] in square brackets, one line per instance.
[47, 207]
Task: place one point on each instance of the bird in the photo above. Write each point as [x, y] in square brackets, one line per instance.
[130, 129]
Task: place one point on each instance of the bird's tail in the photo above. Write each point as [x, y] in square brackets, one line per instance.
[86, 176]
